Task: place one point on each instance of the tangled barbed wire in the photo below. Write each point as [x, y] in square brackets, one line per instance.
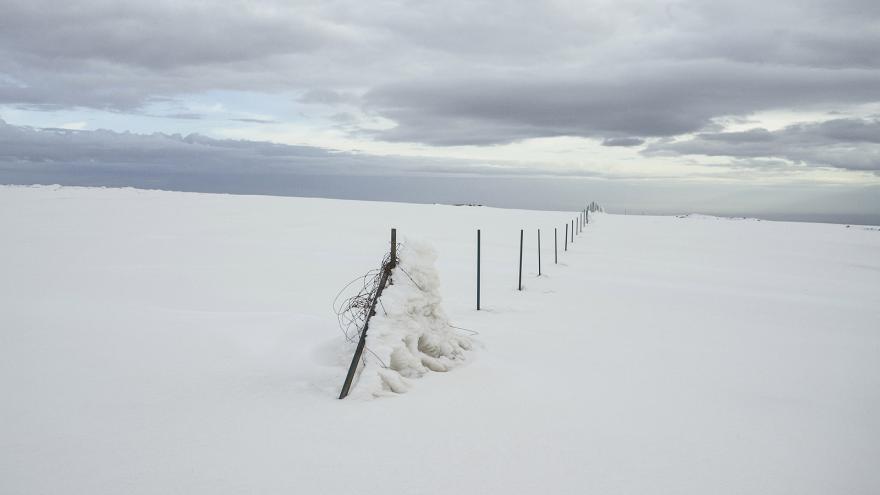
[353, 312]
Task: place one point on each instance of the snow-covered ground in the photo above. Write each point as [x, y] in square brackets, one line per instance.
[158, 342]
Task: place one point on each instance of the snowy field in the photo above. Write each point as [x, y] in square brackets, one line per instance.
[176, 343]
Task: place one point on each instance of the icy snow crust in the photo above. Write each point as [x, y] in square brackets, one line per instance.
[155, 343]
[410, 334]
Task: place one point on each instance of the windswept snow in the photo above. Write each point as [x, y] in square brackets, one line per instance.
[158, 342]
[410, 334]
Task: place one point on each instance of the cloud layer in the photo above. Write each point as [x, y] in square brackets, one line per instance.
[841, 143]
[480, 73]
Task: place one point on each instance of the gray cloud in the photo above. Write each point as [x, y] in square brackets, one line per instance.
[327, 97]
[123, 54]
[828, 34]
[164, 48]
[184, 116]
[458, 73]
[65, 152]
[625, 141]
[842, 143]
[198, 163]
[158, 35]
[651, 99]
[30, 149]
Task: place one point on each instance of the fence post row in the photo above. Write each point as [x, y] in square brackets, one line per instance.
[359, 351]
[385, 279]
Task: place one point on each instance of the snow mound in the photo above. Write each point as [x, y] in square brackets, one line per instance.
[410, 334]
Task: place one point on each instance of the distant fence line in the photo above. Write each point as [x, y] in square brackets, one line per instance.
[572, 229]
[365, 303]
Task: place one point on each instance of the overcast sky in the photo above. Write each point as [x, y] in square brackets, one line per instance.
[682, 102]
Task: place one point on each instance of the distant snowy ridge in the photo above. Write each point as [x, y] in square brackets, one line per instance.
[410, 334]
[700, 216]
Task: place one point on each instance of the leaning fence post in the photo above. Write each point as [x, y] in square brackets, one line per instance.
[520, 257]
[555, 249]
[478, 269]
[566, 237]
[572, 231]
[362, 342]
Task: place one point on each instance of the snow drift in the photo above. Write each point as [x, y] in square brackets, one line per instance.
[161, 342]
[410, 334]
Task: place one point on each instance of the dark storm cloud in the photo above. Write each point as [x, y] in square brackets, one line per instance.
[841, 143]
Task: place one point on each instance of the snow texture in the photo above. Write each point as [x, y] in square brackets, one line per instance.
[158, 342]
[410, 335]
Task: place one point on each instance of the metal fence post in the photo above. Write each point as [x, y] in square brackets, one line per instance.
[520, 258]
[539, 252]
[359, 351]
[478, 269]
